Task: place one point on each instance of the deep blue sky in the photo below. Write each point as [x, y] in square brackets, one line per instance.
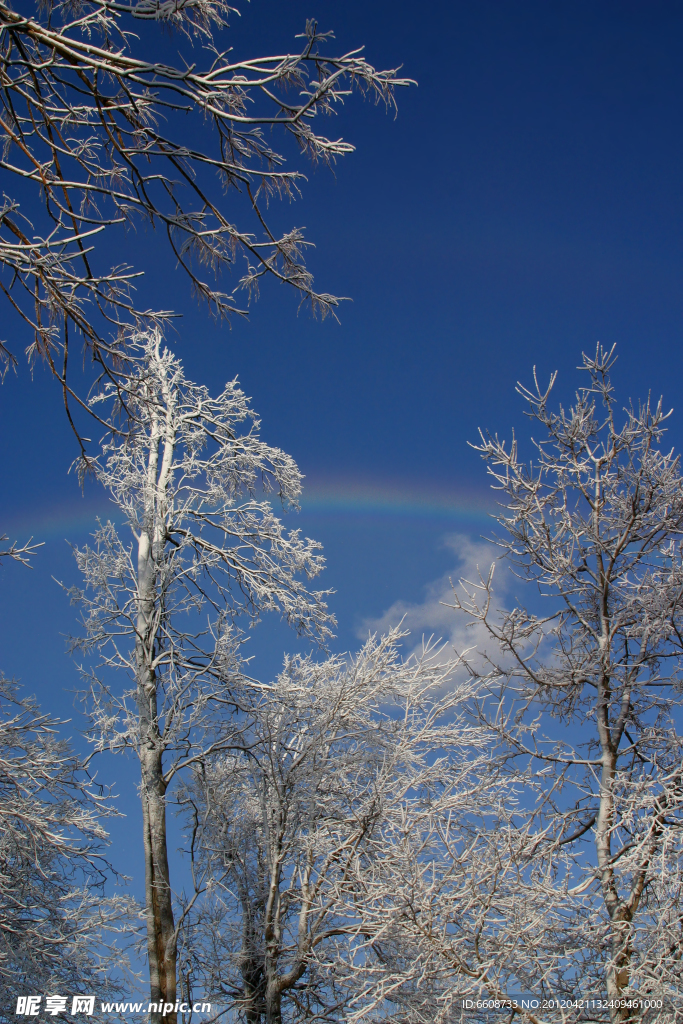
[526, 202]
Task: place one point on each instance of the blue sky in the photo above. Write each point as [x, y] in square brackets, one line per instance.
[526, 202]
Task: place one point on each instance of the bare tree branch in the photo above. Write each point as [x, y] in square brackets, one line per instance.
[94, 118]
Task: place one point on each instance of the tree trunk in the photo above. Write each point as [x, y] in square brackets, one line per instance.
[161, 943]
[273, 1005]
[251, 969]
[161, 938]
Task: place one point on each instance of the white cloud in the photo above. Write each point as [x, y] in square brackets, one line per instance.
[431, 618]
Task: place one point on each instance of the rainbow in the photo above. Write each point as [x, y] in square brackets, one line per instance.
[63, 519]
[343, 497]
[394, 498]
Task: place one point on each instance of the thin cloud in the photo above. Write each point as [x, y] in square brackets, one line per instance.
[432, 618]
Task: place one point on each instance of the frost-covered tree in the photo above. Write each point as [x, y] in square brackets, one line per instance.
[100, 128]
[294, 826]
[585, 895]
[202, 547]
[56, 923]
[464, 911]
